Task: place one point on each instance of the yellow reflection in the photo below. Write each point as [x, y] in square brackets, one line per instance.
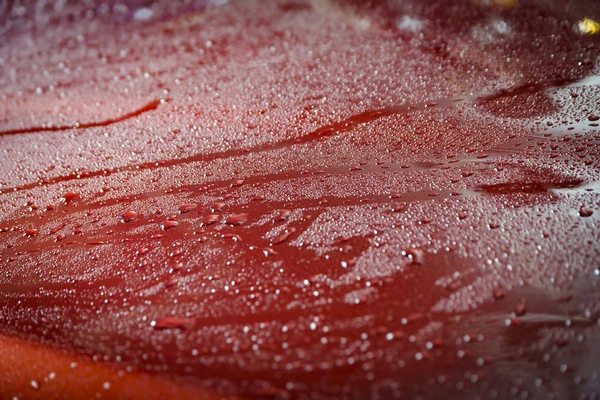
[588, 26]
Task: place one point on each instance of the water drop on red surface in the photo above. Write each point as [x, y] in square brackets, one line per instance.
[96, 243]
[268, 251]
[129, 216]
[565, 298]
[70, 197]
[217, 207]
[172, 323]
[238, 182]
[171, 282]
[210, 219]
[187, 207]
[521, 308]
[499, 294]
[31, 232]
[60, 237]
[284, 236]
[283, 215]
[594, 117]
[417, 255]
[169, 224]
[237, 219]
[348, 263]
[233, 236]
[585, 212]
[494, 225]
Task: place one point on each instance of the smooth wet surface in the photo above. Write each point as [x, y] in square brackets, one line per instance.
[311, 199]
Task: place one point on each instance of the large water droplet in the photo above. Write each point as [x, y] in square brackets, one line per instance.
[129, 216]
[187, 207]
[237, 219]
[172, 323]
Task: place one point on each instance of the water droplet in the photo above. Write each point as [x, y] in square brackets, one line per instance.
[129, 216]
[585, 212]
[417, 255]
[283, 237]
[31, 232]
[283, 215]
[217, 207]
[172, 282]
[237, 219]
[231, 236]
[172, 323]
[96, 243]
[210, 219]
[521, 308]
[187, 207]
[268, 251]
[70, 197]
[142, 14]
[169, 224]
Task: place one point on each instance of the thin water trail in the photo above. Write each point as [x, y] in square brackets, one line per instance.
[151, 106]
[326, 131]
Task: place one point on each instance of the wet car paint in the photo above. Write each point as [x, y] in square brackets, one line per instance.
[302, 199]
